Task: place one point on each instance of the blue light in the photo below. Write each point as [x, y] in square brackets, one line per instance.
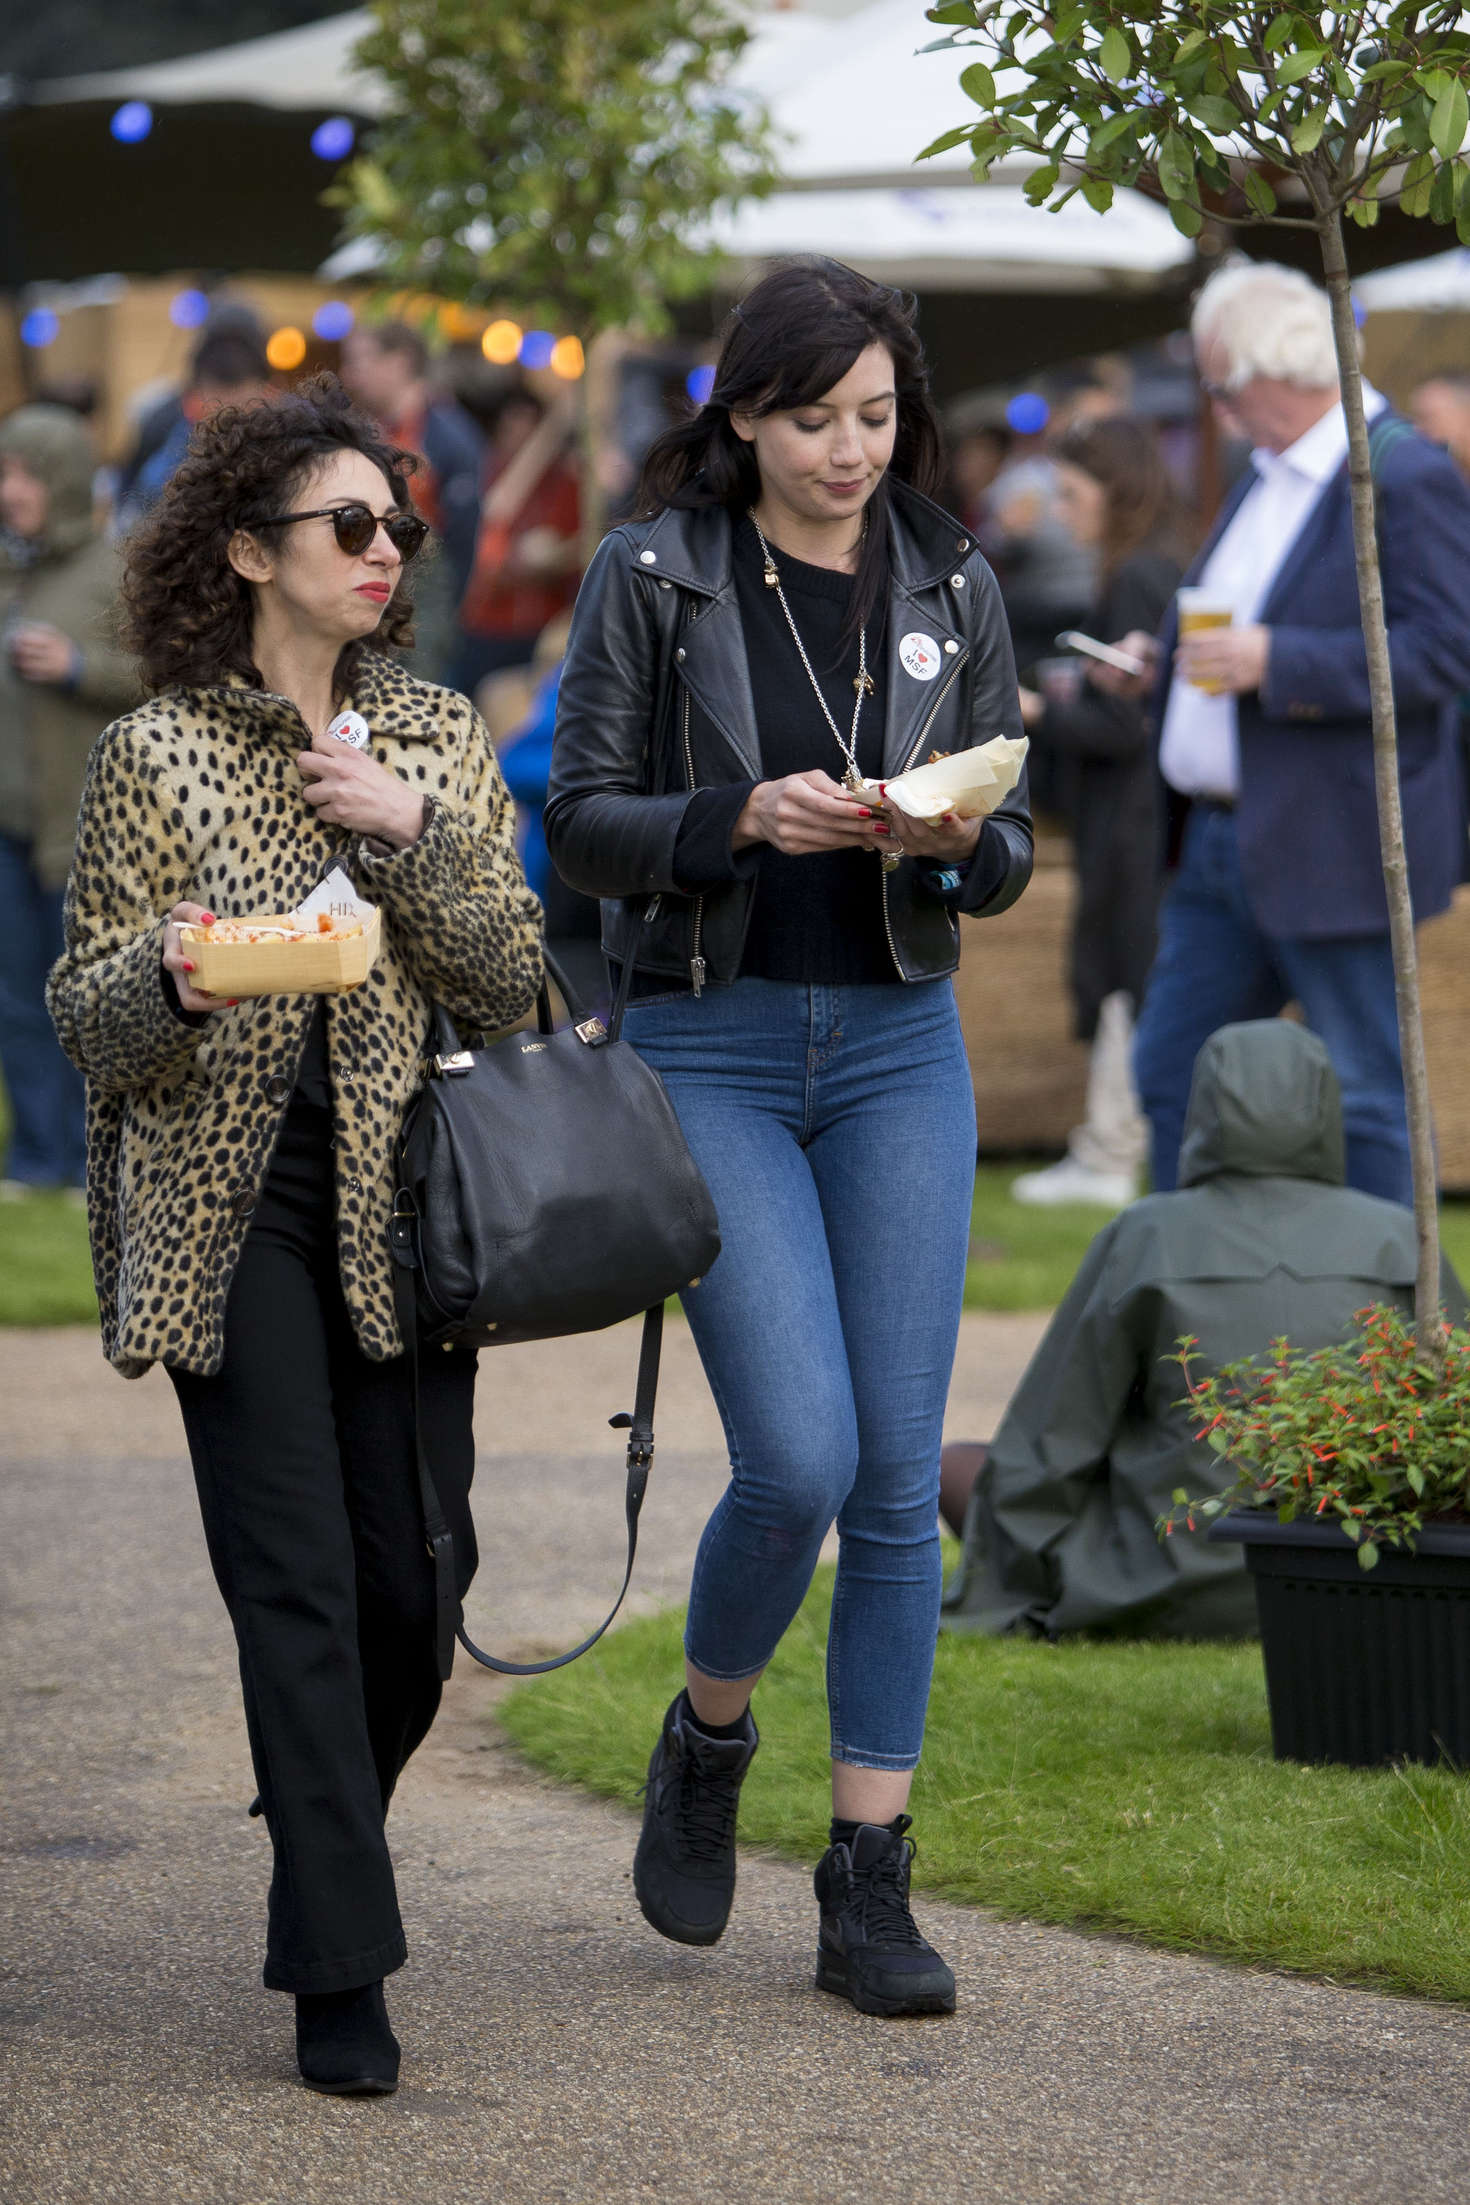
[333, 139]
[699, 382]
[132, 122]
[1360, 312]
[39, 328]
[1028, 413]
[333, 320]
[188, 309]
[536, 348]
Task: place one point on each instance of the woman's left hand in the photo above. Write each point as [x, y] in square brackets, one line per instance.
[950, 840]
[348, 788]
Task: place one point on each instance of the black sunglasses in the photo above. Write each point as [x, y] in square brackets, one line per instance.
[355, 526]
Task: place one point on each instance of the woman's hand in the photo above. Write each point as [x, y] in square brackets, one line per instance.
[176, 961]
[806, 812]
[39, 652]
[1114, 682]
[947, 841]
[348, 788]
[1033, 707]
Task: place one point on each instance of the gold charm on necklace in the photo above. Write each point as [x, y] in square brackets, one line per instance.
[772, 578]
[863, 685]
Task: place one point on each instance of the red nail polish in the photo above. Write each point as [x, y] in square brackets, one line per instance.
[231, 1001]
[188, 966]
[206, 918]
[863, 812]
[882, 830]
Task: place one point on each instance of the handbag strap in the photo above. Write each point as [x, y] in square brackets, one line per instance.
[448, 1610]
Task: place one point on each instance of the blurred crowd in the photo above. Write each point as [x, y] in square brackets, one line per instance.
[1084, 491]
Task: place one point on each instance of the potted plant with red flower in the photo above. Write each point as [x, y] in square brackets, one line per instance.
[1351, 1496]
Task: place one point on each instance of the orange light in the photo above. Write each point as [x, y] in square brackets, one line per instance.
[568, 358]
[286, 349]
[501, 343]
[457, 326]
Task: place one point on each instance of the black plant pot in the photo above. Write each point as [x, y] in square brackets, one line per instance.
[1362, 1666]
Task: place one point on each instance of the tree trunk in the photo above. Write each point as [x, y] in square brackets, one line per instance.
[1429, 1338]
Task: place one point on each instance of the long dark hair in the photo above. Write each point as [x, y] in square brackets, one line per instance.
[788, 341]
[1143, 504]
[188, 614]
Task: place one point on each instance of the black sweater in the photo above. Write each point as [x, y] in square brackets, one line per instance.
[819, 918]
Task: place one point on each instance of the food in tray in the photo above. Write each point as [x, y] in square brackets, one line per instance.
[326, 928]
[969, 783]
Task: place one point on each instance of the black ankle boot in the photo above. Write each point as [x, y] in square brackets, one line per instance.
[344, 2046]
[684, 1868]
[869, 1948]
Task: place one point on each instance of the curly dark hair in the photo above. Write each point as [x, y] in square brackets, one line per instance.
[187, 613]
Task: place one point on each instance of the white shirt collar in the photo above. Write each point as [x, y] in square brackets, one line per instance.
[1319, 451]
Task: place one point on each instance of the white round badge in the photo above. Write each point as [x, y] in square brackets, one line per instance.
[919, 655]
[350, 727]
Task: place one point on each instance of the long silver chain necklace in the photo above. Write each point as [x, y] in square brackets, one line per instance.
[862, 684]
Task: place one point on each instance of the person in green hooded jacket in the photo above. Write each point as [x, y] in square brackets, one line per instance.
[63, 677]
[1261, 1239]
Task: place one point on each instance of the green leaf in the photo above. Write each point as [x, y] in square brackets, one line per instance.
[951, 11]
[1187, 45]
[1450, 120]
[1417, 184]
[1115, 55]
[1279, 32]
[1041, 182]
[1114, 128]
[1299, 65]
[978, 84]
[1368, 1554]
[1218, 115]
[1097, 193]
[1186, 219]
[944, 144]
[1462, 205]
[1176, 167]
[1442, 194]
[1306, 135]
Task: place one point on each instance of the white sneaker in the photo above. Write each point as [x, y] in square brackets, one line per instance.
[1070, 1181]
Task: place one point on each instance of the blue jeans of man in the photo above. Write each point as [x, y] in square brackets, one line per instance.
[836, 1129]
[1216, 966]
[45, 1091]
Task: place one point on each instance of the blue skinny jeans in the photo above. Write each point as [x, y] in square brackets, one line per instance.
[836, 1129]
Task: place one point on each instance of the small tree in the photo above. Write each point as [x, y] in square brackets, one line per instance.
[556, 158]
[1256, 115]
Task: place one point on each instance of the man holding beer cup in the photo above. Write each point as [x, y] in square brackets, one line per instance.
[1265, 725]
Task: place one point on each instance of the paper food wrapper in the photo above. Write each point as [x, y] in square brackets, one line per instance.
[275, 964]
[970, 783]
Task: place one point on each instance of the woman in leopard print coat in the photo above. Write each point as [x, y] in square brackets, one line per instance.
[240, 1155]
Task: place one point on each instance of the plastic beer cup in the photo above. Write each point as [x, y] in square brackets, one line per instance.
[1200, 608]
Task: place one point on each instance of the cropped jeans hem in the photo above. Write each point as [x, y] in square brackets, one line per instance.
[897, 1764]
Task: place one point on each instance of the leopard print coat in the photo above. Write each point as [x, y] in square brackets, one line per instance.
[197, 796]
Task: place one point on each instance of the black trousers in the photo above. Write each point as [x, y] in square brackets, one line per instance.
[303, 1454]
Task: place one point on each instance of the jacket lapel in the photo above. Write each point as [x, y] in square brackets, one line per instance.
[1306, 547]
[911, 700]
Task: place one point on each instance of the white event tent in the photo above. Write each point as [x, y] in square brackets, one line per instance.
[852, 103]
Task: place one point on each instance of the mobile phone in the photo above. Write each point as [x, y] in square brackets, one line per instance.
[1072, 639]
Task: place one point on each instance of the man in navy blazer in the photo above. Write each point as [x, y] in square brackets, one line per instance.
[1279, 891]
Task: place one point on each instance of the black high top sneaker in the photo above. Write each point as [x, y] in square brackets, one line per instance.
[869, 1948]
[684, 1868]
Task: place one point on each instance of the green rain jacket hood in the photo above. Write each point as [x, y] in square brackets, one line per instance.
[56, 447]
[1262, 1239]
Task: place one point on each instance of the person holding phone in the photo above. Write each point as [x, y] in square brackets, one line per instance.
[791, 615]
[241, 1156]
[1118, 497]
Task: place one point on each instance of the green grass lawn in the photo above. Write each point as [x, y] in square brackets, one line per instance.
[1020, 1258]
[1125, 1787]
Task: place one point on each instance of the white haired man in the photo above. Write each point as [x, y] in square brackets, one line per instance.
[1265, 734]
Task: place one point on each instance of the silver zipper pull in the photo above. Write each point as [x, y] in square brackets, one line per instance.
[697, 972]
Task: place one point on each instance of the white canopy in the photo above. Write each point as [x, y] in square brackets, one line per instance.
[1440, 283]
[852, 103]
[976, 237]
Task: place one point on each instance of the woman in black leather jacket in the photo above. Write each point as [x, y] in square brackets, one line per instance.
[794, 614]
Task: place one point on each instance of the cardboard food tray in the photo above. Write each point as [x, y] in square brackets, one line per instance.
[316, 966]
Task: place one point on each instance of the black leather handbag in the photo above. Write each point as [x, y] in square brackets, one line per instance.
[544, 1188]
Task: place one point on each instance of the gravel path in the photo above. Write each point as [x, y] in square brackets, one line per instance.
[555, 2049]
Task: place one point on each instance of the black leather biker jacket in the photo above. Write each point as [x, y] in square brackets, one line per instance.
[655, 702]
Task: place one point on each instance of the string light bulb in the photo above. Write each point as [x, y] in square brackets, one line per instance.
[501, 343]
[567, 358]
[285, 349]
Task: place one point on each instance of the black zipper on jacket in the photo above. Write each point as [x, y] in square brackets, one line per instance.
[697, 966]
[913, 754]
